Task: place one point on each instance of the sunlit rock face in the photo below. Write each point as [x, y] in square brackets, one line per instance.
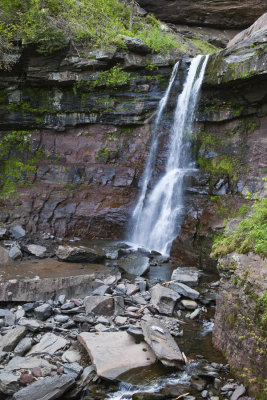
[227, 14]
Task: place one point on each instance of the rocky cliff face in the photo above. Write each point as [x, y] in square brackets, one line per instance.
[226, 14]
[231, 143]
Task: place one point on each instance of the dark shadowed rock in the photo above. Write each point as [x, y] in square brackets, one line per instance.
[46, 389]
[136, 45]
[229, 14]
[43, 312]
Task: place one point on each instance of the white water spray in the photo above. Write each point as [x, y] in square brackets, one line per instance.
[157, 216]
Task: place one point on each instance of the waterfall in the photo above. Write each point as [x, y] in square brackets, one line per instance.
[157, 216]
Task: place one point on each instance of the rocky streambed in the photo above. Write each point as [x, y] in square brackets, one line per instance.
[102, 320]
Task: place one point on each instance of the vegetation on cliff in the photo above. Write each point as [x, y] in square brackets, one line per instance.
[52, 24]
[250, 234]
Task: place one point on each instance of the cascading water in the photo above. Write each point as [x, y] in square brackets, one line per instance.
[157, 215]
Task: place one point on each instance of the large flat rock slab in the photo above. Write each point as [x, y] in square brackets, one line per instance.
[162, 343]
[43, 279]
[113, 353]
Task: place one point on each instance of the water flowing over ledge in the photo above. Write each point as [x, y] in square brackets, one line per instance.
[157, 217]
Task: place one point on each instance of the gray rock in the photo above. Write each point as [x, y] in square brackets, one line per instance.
[46, 389]
[68, 306]
[23, 346]
[184, 290]
[31, 324]
[18, 363]
[61, 299]
[113, 353]
[136, 45]
[120, 320]
[189, 304]
[17, 231]
[61, 318]
[73, 369]
[186, 275]
[8, 383]
[136, 332]
[80, 254]
[8, 317]
[239, 391]
[36, 250]
[102, 290]
[195, 313]
[43, 312]
[49, 343]
[4, 257]
[104, 305]
[71, 356]
[11, 339]
[3, 233]
[135, 264]
[15, 252]
[162, 343]
[164, 299]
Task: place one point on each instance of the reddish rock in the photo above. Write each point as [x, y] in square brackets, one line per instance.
[26, 378]
[37, 372]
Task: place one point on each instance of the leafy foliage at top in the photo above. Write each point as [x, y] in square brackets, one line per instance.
[52, 24]
[250, 234]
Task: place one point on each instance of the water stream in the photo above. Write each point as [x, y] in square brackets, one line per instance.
[158, 214]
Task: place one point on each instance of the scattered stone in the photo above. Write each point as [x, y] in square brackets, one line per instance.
[61, 299]
[71, 356]
[3, 233]
[114, 353]
[36, 250]
[50, 343]
[189, 304]
[198, 383]
[73, 369]
[17, 231]
[8, 383]
[103, 305]
[195, 313]
[43, 312]
[26, 378]
[136, 332]
[102, 290]
[186, 275]
[80, 254]
[31, 324]
[11, 339]
[4, 257]
[100, 328]
[160, 340]
[120, 320]
[61, 318]
[23, 346]
[164, 299]
[239, 391]
[26, 363]
[15, 252]
[46, 389]
[184, 290]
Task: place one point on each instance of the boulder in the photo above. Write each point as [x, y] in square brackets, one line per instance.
[162, 343]
[80, 254]
[23, 346]
[238, 392]
[50, 343]
[164, 299]
[136, 45]
[46, 389]
[189, 304]
[4, 256]
[36, 250]
[134, 264]
[113, 353]
[43, 312]
[11, 339]
[15, 252]
[186, 275]
[104, 305]
[17, 231]
[8, 383]
[184, 290]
